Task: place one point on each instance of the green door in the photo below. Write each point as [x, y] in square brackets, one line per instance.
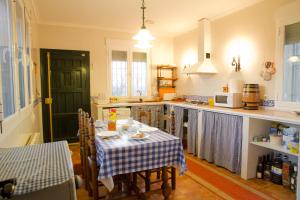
[70, 89]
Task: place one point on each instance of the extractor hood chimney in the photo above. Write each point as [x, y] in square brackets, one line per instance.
[204, 65]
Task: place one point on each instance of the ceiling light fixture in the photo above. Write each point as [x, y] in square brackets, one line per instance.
[143, 36]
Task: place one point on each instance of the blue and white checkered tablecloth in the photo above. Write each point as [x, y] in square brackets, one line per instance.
[123, 155]
[37, 167]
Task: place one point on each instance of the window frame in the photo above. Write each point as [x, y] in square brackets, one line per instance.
[281, 22]
[128, 46]
[28, 99]
[2, 118]
[17, 106]
[23, 55]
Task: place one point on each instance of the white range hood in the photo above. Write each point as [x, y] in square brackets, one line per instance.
[204, 65]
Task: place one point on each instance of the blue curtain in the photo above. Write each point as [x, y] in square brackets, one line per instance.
[221, 140]
[178, 121]
[192, 129]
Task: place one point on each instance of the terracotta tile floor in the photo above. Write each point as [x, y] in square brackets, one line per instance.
[187, 188]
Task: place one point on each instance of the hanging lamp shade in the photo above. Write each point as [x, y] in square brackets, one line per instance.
[143, 36]
[143, 44]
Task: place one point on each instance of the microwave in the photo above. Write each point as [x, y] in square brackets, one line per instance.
[228, 100]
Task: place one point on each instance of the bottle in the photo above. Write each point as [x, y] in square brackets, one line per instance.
[260, 168]
[286, 172]
[267, 169]
[276, 170]
[293, 185]
[112, 118]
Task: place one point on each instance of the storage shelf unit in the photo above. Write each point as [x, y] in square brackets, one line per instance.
[170, 79]
[278, 148]
[166, 78]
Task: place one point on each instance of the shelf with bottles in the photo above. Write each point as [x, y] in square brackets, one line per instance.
[280, 137]
[278, 169]
[257, 142]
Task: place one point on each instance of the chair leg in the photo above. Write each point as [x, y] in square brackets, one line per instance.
[158, 174]
[134, 179]
[147, 181]
[119, 183]
[128, 184]
[173, 178]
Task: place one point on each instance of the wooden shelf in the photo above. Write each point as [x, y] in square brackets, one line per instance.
[278, 148]
[166, 67]
[167, 86]
[167, 79]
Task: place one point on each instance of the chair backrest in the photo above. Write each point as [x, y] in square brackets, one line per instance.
[158, 121]
[172, 122]
[80, 126]
[93, 173]
[144, 114]
[170, 118]
[81, 140]
[86, 147]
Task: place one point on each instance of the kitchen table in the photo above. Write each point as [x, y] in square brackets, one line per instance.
[122, 155]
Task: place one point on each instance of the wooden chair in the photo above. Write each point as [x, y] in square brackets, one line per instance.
[86, 151]
[92, 169]
[144, 114]
[81, 140]
[146, 175]
[166, 118]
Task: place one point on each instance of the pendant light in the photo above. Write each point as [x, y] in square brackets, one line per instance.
[143, 36]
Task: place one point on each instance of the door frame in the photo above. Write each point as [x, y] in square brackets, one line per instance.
[44, 87]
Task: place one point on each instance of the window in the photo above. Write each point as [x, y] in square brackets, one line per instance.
[139, 74]
[119, 69]
[291, 72]
[28, 57]
[20, 51]
[130, 74]
[6, 60]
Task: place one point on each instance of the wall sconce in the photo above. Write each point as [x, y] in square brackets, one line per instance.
[236, 62]
[187, 69]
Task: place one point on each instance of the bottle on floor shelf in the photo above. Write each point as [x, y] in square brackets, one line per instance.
[286, 171]
[260, 168]
[293, 185]
[267, 169]
[276, 170]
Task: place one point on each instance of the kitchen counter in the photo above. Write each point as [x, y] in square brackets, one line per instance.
[262, 113]
[124, 104]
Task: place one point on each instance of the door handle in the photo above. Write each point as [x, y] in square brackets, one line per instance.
[48, 101]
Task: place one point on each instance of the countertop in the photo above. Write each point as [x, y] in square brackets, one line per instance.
[263, 113]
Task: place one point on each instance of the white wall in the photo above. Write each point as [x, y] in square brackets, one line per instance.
[254, 27]
[93, 40]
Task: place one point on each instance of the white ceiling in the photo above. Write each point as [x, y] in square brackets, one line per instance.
[171, 17]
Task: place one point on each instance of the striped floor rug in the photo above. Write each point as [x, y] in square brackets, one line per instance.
[220, 184]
